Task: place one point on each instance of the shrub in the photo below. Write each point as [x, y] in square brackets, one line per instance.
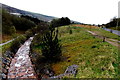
[70, 31]
[16, 43]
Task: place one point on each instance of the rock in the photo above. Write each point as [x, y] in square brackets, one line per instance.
[71, 70]
[9, 54]
[5, 61]
[4, 71]
[3, 76]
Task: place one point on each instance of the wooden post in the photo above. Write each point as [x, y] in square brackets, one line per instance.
[103, 38]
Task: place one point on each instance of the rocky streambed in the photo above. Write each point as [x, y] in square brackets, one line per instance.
[19, 65]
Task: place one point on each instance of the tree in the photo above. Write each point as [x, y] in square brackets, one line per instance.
[67, 21]
[51, 49]
[60, 22]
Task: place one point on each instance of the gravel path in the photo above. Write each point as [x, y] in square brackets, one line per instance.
[21, 66]
[111, 41]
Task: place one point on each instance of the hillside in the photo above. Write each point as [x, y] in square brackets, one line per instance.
[42, 17]
[36, 15]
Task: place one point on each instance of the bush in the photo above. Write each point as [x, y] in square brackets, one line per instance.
[29, 33]
[12, 30]
[16, 43]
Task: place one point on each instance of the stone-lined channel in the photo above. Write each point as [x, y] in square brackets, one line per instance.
[21, 66]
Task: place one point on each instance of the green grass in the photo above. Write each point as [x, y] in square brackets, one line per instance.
[96, 59]
[5, 47]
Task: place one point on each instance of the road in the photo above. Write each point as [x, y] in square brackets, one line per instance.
[6, 42]
[113, 31]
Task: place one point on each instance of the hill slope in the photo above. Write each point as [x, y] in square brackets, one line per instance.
[36, 15]
[42, 17]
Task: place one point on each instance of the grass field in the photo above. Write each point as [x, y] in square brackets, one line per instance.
[96, 59]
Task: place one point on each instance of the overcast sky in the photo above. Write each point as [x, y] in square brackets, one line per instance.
[85, 11]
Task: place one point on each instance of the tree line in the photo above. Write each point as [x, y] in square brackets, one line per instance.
[11, 23]
[115, 22]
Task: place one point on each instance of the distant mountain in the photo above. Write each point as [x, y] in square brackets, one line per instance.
[13, 10]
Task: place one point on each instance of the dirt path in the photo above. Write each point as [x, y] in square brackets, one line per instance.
[2, 44]
[109, 40]
[21, 66]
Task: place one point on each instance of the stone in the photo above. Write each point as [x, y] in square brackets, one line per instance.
[12, 76]
[5, 61]
[8, 54]
[4, 70]
[29, 72]
[71, 70]
[21, 74]
[4, 76]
